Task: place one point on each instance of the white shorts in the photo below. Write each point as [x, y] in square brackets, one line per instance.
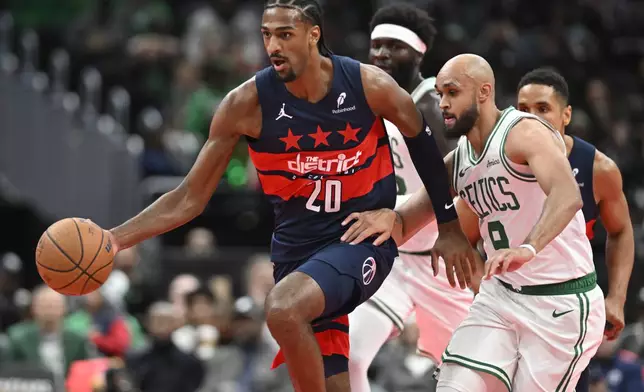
[529, 342]
[411, 286]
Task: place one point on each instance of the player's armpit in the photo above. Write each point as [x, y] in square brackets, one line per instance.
[614, 213]
[533, 143]
[237, 114]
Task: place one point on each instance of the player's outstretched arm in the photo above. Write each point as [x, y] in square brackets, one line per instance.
[418, 211]
[620, 244]
[408, 219]
[237, 114]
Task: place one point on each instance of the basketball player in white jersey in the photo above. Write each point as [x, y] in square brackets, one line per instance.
[400, 36]
[539, 315]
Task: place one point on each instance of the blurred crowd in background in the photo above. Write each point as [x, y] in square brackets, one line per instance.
[184, 312]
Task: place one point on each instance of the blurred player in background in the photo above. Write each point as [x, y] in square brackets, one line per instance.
[401, 34]
[539, 315]
[544, 93]
[314, 124]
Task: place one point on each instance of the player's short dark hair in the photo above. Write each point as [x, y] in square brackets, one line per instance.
[409, 16]
[546, 77]
[311, 12]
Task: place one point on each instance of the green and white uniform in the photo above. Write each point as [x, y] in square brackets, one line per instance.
[536, 328]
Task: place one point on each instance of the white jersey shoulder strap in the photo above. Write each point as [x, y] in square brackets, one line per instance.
[519, 115]
[423, 88]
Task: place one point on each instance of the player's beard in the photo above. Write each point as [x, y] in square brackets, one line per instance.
[288, 76]
[464, 123]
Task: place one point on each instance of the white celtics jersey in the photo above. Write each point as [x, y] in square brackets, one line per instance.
[407, 180]
[509, 201]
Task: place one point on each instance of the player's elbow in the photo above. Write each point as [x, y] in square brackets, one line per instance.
[575, 202]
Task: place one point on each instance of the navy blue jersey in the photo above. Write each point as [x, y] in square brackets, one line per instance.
[582, 158]
[319, 162]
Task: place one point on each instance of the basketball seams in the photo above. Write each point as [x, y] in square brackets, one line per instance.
[59, 248]
[68, 258]
[83, 271]
[96, 272]
[80, 240]
[66, 248]
[91, 276]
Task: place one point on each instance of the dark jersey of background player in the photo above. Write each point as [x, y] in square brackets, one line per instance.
[543, 92]
[403, 62]
[286, 111]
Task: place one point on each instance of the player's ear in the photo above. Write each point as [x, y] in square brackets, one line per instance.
[567, 115]
[485, 92]
[314, 35]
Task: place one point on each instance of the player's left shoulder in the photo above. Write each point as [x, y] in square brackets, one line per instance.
[529, 133]
[606, 173]
[375, 79]
[380, 89]
[529, 138]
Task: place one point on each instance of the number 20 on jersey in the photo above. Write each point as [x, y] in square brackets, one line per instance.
[332, 196]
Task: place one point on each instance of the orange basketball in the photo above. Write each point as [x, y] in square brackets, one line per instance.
[74, 256]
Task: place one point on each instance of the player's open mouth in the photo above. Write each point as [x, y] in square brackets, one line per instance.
[449, 119]
[279, 64]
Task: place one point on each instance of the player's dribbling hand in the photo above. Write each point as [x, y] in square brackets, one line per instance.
[457, 253]
[506, 260]
[369, 223]
[115, 247]
[614, 316]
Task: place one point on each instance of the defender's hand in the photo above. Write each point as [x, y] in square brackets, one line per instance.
[614, 316]
[368, 224]
[457, 253]
[506, 260]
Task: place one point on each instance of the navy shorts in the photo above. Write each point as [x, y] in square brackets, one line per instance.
[347, 274]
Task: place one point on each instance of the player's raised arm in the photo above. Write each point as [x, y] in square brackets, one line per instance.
[620, 244]
[543, 150]
[237, 114]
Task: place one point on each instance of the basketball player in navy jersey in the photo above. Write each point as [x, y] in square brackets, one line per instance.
[401, 35]
[544, 93]
[314, 124]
